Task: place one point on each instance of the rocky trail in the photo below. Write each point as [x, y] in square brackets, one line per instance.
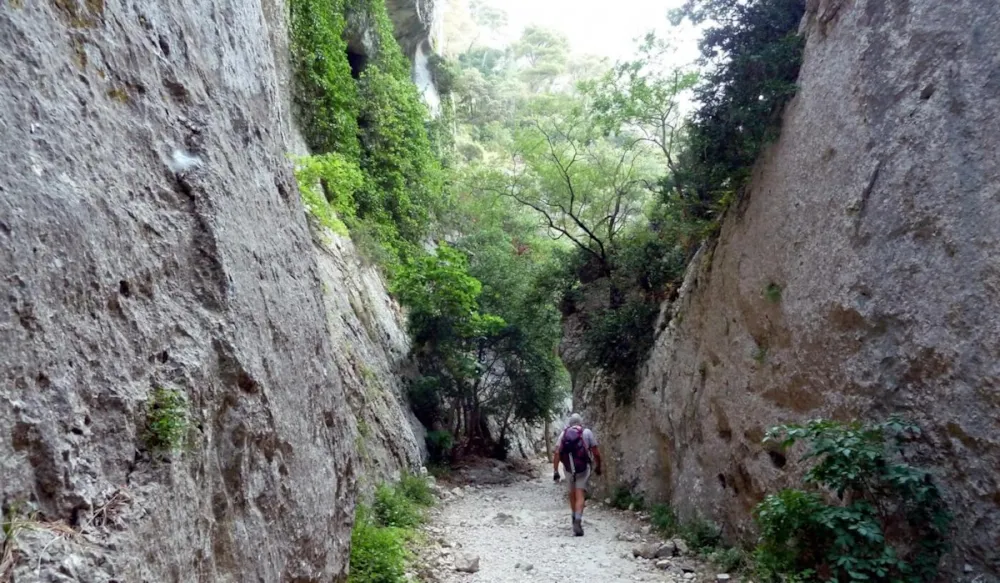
[520, 531]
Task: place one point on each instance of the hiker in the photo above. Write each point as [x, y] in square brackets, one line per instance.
[574, 449]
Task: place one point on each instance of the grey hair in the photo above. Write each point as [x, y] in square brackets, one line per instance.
[574, 419]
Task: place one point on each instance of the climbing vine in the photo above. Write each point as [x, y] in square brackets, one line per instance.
[370, 118]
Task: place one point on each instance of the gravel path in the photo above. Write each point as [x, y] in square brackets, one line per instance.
[522, 531]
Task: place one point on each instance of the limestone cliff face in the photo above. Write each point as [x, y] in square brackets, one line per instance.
[371, 353]
[876, 217]
[151, 235]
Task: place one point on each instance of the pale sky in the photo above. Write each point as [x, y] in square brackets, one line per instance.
[602, 27]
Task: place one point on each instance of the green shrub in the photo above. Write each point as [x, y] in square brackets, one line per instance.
[701, 535]
[327, 183]
[664, 520]
[728, 560]
[618, 341]
[623, 498]
[439, 445]
[166, 420]
[378, 553]
[392, 508]
[773, 293]
[751, 54]
[370, 132]
[871, 517]
[416, 490]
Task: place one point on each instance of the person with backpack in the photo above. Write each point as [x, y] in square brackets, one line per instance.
[577, 449]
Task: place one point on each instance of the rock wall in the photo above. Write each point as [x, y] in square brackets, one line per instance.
[371, 350]
[151, 235]
[875, 222]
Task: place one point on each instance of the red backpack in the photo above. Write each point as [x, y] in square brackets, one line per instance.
[573, 450]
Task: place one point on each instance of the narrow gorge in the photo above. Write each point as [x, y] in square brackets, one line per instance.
[260, 259]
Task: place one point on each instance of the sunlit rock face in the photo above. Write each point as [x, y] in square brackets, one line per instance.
[876, 217]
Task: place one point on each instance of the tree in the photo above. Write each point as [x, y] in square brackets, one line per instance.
[644, 97]
[585, 186]
[546, 53]
[751, 58]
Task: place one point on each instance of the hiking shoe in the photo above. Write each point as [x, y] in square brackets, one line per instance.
[577, 528]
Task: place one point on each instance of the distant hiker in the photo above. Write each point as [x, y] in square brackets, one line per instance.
[574, 449]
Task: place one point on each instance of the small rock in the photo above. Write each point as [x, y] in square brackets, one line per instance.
[667, 549]
[467, 564]
[607, 501]
[689, 575]
[604, 565]
[663, 564]
[646, 530]
[722, 577]
[967, 568]
[458, 492]
[681, 546]
[646, 551]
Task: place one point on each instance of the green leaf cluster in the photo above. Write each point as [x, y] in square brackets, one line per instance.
[381, 531]
[167, 420]
[751, 56]
[373, 121]
[869, 516]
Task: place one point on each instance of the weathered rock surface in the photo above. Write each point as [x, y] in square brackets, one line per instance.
[151, 235]
[371, 352]
[877, 218]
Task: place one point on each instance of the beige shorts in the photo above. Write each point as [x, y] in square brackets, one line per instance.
[579, 481]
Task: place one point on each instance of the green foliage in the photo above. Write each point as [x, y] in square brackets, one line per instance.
[729, 560]
[623, 498]
[392, 508]
[380, 534]
[751, 56]
[439, 445]
[327, 183]
[378, 553]
[773, 293]
[326, 97]
[442, 298]
[546, 53]
[664, 520]
[375, 123]
[416, 490]
[701, 535]
[873, 517]
[166, 420]
[618, 340]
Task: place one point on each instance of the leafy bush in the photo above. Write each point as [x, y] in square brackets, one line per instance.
[872, 517]
[728, 560]
[701, 535]
[623, 498]
[380, 534]
[618, 341]
[439, 444]
[378, 554]
[392, 508]
[166, 420]
[416, 490]
[373, 127]
[327, 183]
[751, 59]
[664, 520]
